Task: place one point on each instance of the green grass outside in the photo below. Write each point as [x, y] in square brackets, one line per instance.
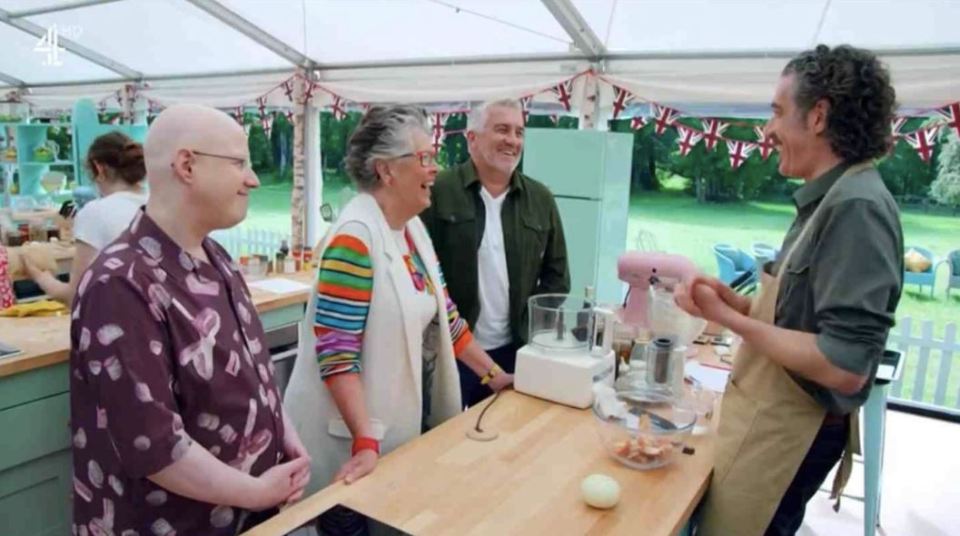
[270, 203]
[270, 208]
[681, 225]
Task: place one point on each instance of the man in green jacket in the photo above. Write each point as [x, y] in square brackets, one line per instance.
[499, 238]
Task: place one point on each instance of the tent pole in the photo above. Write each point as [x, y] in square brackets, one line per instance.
[313, 177]
[579, 30]
[307, 193]
[263, 38]
[126, 106]
[589, 106]
[297, 193]
[141, 108]
[603, 110]
[12, 81]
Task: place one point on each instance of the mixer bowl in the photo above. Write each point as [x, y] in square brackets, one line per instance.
[667, 319]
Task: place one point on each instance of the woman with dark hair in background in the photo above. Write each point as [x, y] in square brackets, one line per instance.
[116, 163]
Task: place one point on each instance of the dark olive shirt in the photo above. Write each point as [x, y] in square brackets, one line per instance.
[844, 280]
[166, 350]
[534, 246]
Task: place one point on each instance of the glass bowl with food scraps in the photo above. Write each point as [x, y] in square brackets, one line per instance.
[640, 434]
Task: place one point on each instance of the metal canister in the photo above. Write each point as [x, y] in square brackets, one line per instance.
[658, 361]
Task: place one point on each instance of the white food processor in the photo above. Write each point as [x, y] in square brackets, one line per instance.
[569, 350]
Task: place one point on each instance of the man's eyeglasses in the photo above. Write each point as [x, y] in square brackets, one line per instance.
[426, 158]
[242, 162]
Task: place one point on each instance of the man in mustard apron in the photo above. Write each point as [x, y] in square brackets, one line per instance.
[813, 337]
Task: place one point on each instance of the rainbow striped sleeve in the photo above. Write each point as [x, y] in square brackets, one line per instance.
[459, 330]
[344, 288]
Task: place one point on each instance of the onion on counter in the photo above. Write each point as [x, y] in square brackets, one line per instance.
[600, 491]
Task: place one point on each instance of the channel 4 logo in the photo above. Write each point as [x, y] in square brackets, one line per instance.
[49, 43]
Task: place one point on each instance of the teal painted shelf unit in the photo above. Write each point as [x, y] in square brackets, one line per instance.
[26, 137]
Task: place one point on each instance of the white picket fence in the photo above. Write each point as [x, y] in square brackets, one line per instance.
[929, 378]
[240, 241]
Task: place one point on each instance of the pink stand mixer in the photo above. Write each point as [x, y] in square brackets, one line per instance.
[640, 270]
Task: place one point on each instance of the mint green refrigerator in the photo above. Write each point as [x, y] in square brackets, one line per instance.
[588, 172]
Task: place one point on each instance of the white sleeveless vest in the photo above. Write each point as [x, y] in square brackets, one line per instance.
[392, 355]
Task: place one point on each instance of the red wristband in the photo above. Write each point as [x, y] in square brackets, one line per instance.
[361, 443]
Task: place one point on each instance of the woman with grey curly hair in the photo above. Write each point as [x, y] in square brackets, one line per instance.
[376, 365]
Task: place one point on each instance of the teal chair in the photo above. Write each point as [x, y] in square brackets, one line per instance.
[732, 262]
[925, 278]
[764, 253]
[953, 264]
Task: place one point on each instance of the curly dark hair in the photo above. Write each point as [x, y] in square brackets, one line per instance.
[857, 87]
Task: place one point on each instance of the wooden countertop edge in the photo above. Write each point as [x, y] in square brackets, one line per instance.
[283, 300]
[302, 512]
[24, 363]
[692, 507]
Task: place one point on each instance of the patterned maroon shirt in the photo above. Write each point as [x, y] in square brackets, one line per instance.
[166, 350]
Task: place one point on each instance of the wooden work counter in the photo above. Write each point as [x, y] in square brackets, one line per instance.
[45, 341]
[527, 481]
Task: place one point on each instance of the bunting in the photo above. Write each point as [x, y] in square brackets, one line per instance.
[924, 141]
[665, 117]
[308, 91]
[564, 92]
[687, 140]
[438, 120]
[712, 132]
[765, 144]
[895, 125]
[739, 151]
[153, 108]
[951, 113]
[262, 106]
[525, 104]
[287, 86]
[338, 108]
[621, 98]
[266, 123]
